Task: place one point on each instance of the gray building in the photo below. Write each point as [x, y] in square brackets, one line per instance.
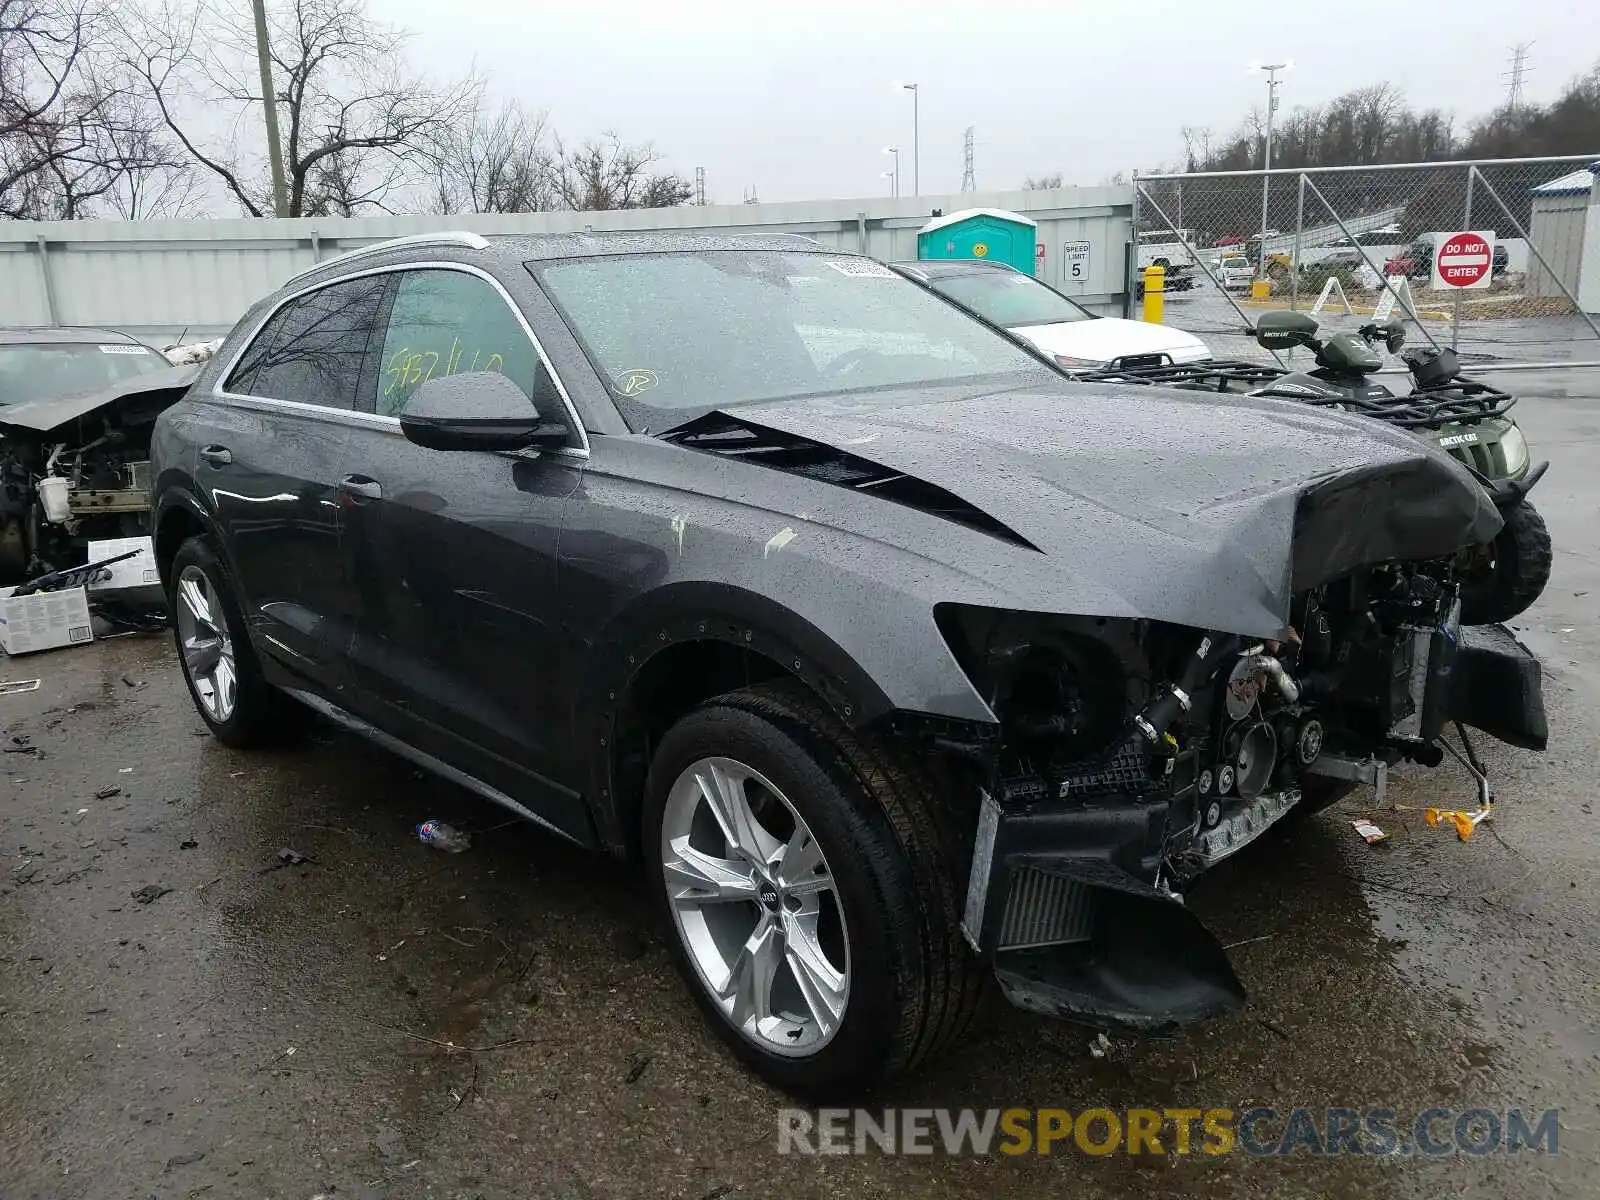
[1560, 210]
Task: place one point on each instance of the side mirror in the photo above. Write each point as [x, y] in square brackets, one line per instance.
[1283, 329]
[478, 410]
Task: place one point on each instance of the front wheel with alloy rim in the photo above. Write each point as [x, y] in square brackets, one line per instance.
[219, 664]
[809, 879]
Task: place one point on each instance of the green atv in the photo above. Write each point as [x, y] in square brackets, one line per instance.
[1463, 417]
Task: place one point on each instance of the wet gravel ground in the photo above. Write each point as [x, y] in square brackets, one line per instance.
[385, 1020]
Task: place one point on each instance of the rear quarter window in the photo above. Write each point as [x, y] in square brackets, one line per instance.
[314, 350]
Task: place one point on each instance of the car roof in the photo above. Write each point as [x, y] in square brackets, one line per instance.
[56, 334]
[515, 250]
[930, 269]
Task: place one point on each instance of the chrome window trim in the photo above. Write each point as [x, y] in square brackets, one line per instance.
[365, 420]
[447, 237]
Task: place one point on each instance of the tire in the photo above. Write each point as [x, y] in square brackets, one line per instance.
[1514, 573]
[238, 705]
[892, 851]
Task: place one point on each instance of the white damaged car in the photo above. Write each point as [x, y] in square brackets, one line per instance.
[1056, 324]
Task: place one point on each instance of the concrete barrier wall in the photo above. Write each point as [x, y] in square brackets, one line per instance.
[158, 278]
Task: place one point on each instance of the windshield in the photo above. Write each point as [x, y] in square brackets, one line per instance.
[55, 370]
[1236, 263]
[1010, 298]
[678, 335]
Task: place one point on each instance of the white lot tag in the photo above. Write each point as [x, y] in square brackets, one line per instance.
[123, 350]
[861, 268]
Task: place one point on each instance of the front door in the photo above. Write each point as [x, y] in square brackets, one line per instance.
[454, 556]
[270, 459]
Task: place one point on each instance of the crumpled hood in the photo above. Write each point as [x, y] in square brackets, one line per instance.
[47, 416]
[1207, 511]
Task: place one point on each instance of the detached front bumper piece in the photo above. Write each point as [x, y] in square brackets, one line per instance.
[1497, 686]
[1073, 932]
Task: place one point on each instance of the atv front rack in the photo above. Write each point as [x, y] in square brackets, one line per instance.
[1458, 402]
[1209, 375]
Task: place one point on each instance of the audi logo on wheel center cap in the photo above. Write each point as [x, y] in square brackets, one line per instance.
[769, 896]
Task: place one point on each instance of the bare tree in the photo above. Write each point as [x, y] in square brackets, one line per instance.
[1196, 145]
[607, 173]
[1042, 183]
[71, 129]
[496, 162]
[358, 123]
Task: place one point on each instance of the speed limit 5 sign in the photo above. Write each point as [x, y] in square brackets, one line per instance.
[1075, 262]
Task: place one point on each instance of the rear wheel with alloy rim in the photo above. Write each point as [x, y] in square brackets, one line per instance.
[809, 876]
[219, 664]
[205, 644]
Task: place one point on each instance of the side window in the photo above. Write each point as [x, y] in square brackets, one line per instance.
[314, 348]
[449, 323]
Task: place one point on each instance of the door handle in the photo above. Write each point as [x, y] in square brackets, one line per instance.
[363, 486]
[217, 456]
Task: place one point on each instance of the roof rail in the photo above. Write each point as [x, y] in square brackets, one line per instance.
[448, 237]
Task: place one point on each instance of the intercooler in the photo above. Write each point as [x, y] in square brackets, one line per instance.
[1045, 910]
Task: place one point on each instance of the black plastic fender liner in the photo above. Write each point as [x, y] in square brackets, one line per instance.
[1497, 686]
[1149, 967]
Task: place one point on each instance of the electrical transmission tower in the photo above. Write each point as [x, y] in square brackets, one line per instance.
[1516, 76]
[700, 186]
[968, 182]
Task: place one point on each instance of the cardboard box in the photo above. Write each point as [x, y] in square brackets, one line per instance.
[44, 621]
[139, 572]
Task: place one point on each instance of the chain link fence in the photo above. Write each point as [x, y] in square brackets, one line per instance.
[1349, 244]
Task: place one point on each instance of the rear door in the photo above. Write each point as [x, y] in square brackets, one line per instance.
[271, 460]
[454, 554]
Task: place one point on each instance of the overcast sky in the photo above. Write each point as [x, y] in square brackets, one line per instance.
[798, 99]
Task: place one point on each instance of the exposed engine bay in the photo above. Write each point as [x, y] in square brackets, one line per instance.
[77, 470]
[1134, 755]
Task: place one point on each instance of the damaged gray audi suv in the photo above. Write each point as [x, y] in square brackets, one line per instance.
[903, 665]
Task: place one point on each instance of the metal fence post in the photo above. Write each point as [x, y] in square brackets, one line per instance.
[1299, 229]
[49, 283]
[1131, 265]
[1466, 226]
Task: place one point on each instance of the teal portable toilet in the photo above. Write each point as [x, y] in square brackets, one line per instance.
[989, 233]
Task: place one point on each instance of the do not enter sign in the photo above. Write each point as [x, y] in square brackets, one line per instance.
[1466, 260]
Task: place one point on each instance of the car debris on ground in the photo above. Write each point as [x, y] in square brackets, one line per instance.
[1370, 832]
[443, 837]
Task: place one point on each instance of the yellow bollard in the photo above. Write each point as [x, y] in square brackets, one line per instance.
[1155, 293]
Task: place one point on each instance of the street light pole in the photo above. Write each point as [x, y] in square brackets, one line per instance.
[1271, 70]
[894, 150]
[916, 137]
[280, 192]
